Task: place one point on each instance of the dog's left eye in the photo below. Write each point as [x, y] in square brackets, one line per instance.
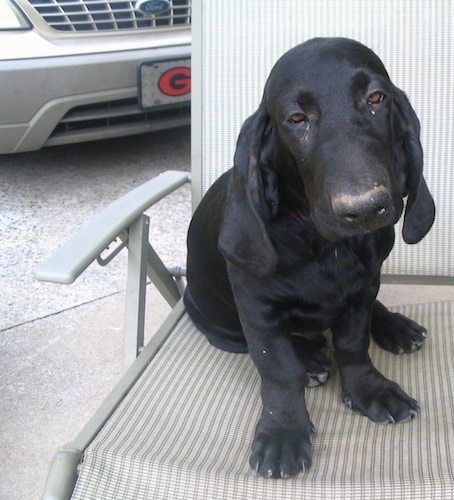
[376, 98]
[298, 118]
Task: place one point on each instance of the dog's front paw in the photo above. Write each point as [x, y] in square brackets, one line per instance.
[281, 452]
[380, 399]
[398, 334]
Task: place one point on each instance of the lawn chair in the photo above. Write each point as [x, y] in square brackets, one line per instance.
[180, 422]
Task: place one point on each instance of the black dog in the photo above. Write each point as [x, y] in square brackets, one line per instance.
[293, 237]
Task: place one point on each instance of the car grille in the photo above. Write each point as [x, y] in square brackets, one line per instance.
[103, 15]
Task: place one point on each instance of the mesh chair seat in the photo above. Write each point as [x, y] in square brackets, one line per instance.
[184, 430]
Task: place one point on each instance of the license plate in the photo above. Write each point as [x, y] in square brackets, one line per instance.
[164, 82]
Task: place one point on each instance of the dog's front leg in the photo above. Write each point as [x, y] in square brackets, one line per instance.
[281, 446]
[364, 388]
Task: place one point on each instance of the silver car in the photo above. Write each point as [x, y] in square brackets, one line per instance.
[80, 70]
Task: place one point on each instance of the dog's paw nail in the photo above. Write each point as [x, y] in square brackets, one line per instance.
[284, 473]
[416, 346]
[269, 473]
[390, 418]
[347, 401]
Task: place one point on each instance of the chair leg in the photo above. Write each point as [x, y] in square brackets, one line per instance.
[162, 278]
[136, 289]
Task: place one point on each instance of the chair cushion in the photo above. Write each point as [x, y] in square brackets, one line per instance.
[184, 431]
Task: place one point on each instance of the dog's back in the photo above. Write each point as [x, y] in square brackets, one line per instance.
[208, 282]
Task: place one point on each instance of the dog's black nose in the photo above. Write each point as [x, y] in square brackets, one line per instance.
[372, 208]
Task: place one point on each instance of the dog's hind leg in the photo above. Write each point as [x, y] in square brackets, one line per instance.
[394, 331]
[310, 351]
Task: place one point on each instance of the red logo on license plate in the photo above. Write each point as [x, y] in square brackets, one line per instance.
[176, 81]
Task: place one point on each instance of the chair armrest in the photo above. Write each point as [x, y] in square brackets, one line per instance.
[72, 258]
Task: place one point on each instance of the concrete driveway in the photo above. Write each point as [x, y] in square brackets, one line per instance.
[60, 346]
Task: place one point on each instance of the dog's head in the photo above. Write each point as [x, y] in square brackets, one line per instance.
[334, 138]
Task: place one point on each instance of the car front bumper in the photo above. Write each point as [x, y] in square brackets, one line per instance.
[73, 98]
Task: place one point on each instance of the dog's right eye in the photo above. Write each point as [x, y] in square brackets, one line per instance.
[298, 118]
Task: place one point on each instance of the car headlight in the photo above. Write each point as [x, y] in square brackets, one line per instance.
[11, 17]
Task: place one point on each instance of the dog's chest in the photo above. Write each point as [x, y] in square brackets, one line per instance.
[319, 283]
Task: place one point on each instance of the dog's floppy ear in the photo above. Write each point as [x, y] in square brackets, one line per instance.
[252, 199]
[420, 209]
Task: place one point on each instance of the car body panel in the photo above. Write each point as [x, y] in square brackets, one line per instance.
[59, 88]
